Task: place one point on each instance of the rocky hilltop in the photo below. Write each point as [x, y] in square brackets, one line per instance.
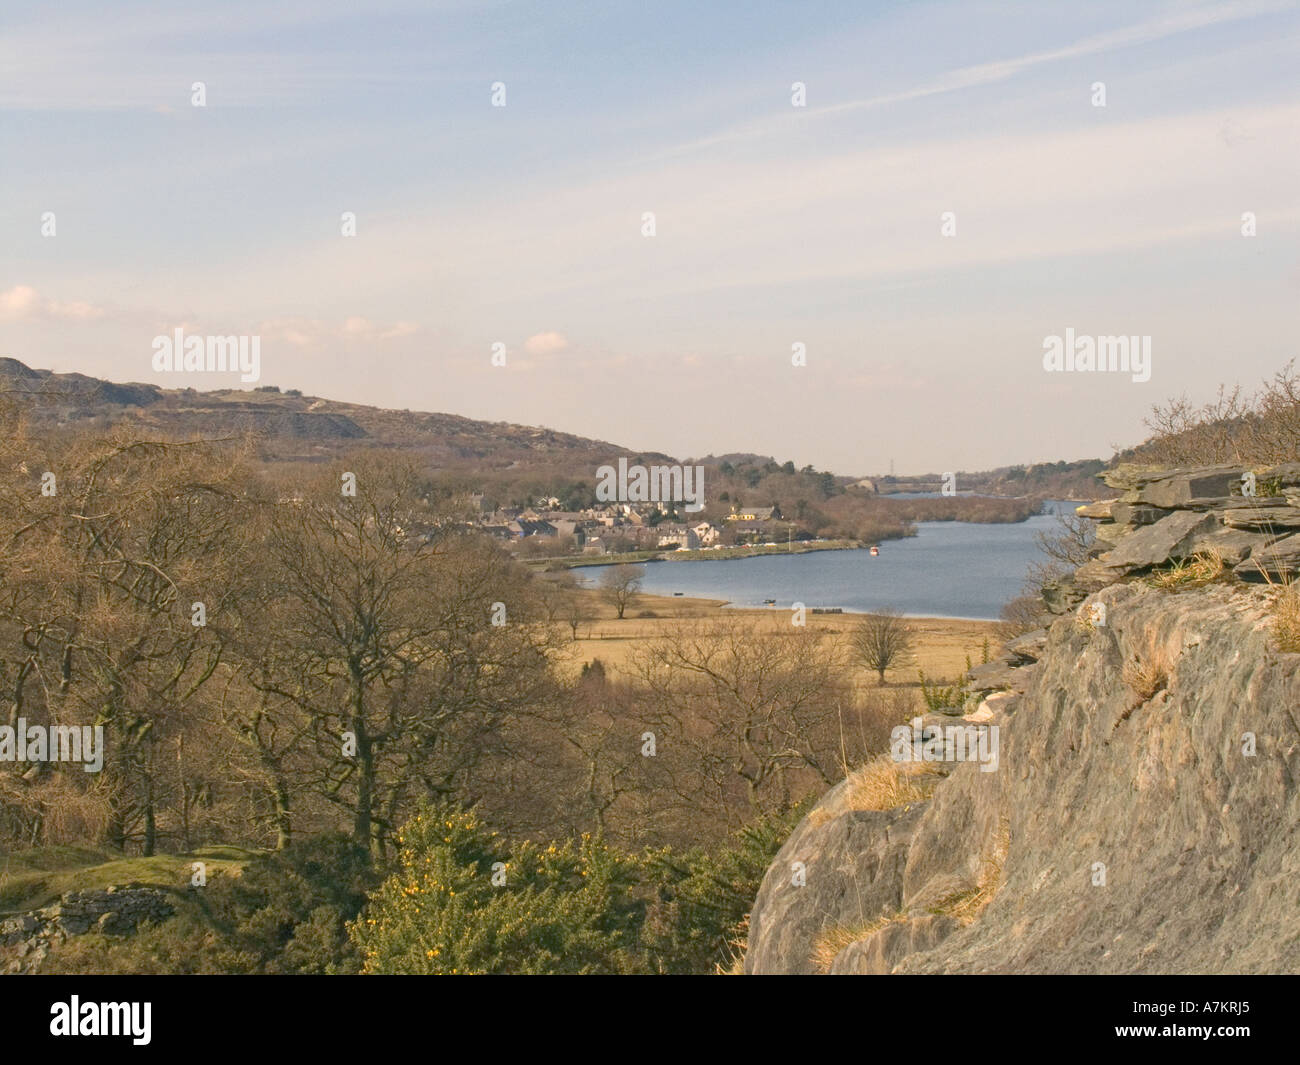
[292, 426]
[1144, 816]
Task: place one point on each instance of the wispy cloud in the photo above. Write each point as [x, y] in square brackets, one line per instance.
[983, 74]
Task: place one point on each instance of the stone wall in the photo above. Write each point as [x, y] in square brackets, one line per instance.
[115, 911]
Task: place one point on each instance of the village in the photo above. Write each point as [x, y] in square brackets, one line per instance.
[544, 530]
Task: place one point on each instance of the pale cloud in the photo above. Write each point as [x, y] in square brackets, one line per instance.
[545, 343]
[311, 332]
[24, 303]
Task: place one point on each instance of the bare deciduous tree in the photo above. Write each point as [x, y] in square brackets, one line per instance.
[620, 584]
[883, 640]
[761, 715]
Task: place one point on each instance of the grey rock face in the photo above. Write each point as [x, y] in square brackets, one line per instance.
[1136, 514]
[853, 872]
[1062, 596]
[1266, 517]
[1130, 827]
[1029, 647]
[1231, 545]
[1175, 488]
[1169, 538]
[999, 675]
[1280, 562]
[878, 953]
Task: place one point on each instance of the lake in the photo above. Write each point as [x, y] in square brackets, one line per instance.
[949, 569]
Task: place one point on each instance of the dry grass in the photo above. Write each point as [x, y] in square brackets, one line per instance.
[966, 906]
[1150, 672]
[1285, 610]
[736, 947]
[1286, 618]
[941, 645]
[1202, 568]
[1146, 677]
[883, 784]
[836, 937]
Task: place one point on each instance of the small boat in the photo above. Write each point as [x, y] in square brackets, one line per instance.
[679, 593]
[769, 602]
[874, 550]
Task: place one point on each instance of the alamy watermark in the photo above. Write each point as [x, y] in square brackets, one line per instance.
[78, 1018]
[1098, 354]
[945, 743]
[57, 743]
[179, 353]
[658, 484]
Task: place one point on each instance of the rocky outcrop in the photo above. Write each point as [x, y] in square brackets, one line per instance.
[1169, 516]
[113, 911]
[1145, 812]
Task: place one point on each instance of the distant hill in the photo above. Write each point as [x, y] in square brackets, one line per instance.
[297, 427]
[509, 461]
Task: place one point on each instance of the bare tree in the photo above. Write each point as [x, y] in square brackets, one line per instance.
[620, 584]
[883, 639]
[1066, 549]
[745, 714]
[393, 657]
[562, 601]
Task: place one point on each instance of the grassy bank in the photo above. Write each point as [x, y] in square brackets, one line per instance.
[35, 878]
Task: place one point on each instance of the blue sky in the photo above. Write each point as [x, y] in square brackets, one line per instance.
[774, 224]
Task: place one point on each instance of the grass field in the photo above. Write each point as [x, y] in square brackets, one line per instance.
[941, 645]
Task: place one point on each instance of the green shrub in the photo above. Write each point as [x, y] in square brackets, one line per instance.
[699, 916]
[575, 907]
[938, 696]
[460, 901]
[287, 913]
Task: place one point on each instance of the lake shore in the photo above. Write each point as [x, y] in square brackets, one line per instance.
[941, 645]
[720, 554]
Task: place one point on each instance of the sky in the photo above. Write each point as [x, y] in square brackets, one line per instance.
[774, 225]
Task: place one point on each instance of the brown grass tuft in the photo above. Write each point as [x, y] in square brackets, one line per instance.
[1149, 672]
[834, 938]
[1202, 568]
[883, 784]
[1286, 618]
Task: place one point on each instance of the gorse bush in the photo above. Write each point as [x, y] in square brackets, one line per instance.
[698, 918]
[938, 696]
[461, 900]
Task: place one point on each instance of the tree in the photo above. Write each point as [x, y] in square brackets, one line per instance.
[620, 584]
[882, 640]
[562, 601]
[392, 655]
[103, 576]
[745, 715]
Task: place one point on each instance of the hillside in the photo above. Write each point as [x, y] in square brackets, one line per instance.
[294, 427]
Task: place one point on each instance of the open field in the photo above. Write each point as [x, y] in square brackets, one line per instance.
[941, 644]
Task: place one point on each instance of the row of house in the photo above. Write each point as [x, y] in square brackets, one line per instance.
[599, 529]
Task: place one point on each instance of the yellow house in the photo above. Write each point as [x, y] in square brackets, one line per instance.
[746, 513]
